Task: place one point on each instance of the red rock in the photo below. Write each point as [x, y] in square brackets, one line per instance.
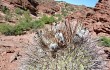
[99, 18]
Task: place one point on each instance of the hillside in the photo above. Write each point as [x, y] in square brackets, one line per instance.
[79, 35]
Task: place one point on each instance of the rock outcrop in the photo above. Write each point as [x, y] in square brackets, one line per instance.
[98, 20]
[35, 6]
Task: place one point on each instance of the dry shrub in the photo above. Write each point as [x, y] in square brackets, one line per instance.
[77, 56]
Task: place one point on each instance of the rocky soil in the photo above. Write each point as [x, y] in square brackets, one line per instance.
[12, 50]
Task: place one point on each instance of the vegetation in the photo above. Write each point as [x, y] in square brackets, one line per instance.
[8, 16]
[105, 41]
[59, 16]
[64, 12]
[47, 20]
[80, 56]
[4, 9]
[6, 29]
[67, 9]
[19, 11]
[76, 59]
[25, 24]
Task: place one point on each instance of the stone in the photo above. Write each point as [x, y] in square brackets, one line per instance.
[14, 57]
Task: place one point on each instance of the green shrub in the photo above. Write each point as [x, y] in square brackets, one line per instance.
[47, 20]
[15, 30]
[8, 16]
[59, 17]
[22, 27]
[18, 30]
[64, 12]
[51, 19]
[19, 11]
[42, 21]
[6, 29]
[27, 16]
[37, 24]
[4, 9]
[25, 24]
[105, 41]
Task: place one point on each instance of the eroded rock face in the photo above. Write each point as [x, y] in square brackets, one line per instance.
[98, 21]
[26, 4]
[36, 6]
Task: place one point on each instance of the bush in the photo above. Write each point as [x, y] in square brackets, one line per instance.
[20, 28]
[64, 12]
[27, 16]
[8, 16]
[59, 17]
[105, 41]
[15, 30]
[6, 29]
[4, 9]
[19, 11]
[75, 57]
[25, 24]
[37, 24]
[51, 19]
[47, 20]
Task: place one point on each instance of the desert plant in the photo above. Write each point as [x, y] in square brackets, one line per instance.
[59, 16]
[25, 24]
[47, 20]
[27, 16]
[42, 21]
[105, 41]
[8, 16]
[10, 30]
[37, 24]
[21, 27]
[4, 9]
[64, 12]
[51, 19]
[19, 11]
[6, 29]
[74, 57]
